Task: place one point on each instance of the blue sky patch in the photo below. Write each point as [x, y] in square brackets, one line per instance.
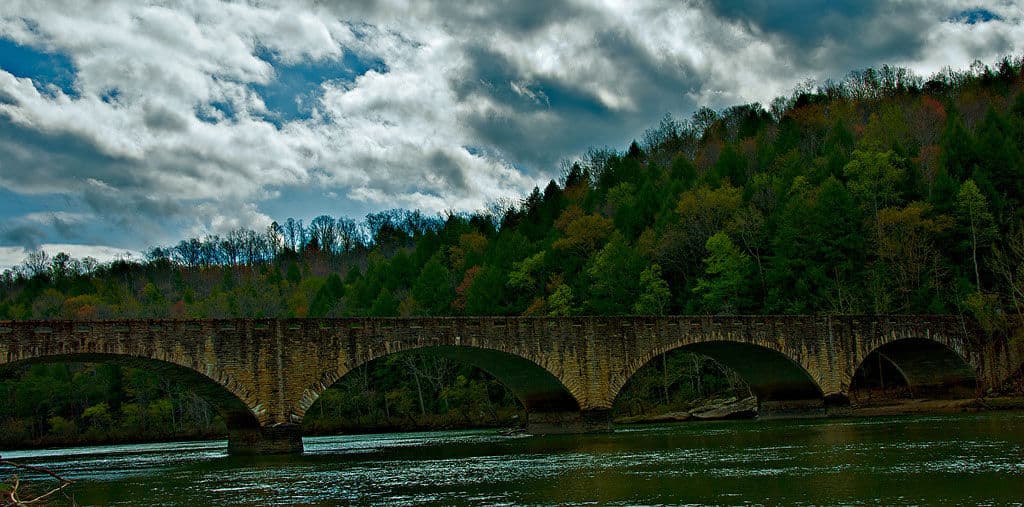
[13, 204]
[975, 16]
[42, 67]
[476, 151]
[110, 96]
[564, 97]
[216, 111]
[14, 230]
[292, 95]
[307, 202]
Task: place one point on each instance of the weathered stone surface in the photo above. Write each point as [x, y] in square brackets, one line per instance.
[731, 408]
[265, 373]
[727, 408]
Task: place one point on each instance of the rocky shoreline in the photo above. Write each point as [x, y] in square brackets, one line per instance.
[746, 408]
[926, 406]
[717, 409]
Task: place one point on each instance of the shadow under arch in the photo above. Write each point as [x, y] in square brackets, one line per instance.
[550, 406]
[243, 426]
[923, 367]
[782, 386]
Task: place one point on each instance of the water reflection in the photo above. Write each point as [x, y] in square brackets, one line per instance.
[969, 459]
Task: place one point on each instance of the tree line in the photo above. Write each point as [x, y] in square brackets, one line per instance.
[882, 193]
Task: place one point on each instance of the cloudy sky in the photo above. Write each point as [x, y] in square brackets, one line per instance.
[125, 124]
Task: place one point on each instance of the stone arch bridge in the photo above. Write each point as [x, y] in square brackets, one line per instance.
[263, 374]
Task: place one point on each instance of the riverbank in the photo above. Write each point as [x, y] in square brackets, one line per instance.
[926, 406]
[716, 409]
[732, 408]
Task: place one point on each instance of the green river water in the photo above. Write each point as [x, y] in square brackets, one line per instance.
[968, 459]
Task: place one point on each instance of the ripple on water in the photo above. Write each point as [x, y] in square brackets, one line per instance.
[130, 449]
[967, 460]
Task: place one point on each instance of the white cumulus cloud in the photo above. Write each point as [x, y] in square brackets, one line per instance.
[174, 123]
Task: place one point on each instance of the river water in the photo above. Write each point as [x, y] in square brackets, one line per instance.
[973, 459]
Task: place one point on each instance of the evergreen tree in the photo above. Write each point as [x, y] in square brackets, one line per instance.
[726, 275]
[958, 154]
[433, 289]
[614, 274]
[654, 294]
[327, 297]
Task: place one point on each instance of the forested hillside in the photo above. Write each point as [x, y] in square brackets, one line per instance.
[883, 193]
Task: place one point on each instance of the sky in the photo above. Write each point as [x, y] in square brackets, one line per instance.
[127, 124]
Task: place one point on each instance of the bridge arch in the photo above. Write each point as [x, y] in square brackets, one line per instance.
[781, 385]
[278, 367]
[927, 367]
[551, 406]
[242, 423]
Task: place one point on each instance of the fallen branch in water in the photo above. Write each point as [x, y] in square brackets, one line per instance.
[9, 494]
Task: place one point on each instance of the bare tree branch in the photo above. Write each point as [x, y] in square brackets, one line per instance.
[11, 496]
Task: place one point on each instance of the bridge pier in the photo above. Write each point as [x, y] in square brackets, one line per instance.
[560, 423]
[838, 405]
[279, 439]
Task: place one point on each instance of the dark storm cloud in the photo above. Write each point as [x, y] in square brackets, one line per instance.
[34, 229]
[838, 35]
[33, 160]
[520, 134]
[120, 192]
[26, 236]
[803, 22]
[191, 118]
[65, 228]
[130, 211]
[578, 118]
[523, 17]
[449, 170]
[488, 70]
[843, 35]
[162, 118]
[492, 75]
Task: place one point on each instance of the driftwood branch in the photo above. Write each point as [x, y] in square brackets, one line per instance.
[12, 497]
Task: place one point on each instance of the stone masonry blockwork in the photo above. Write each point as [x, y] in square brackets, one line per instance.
[265, 373]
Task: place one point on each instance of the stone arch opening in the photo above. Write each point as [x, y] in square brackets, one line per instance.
[782, 386]
[681, 385]
[241, 423]
[549, 405]
[912, 368]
